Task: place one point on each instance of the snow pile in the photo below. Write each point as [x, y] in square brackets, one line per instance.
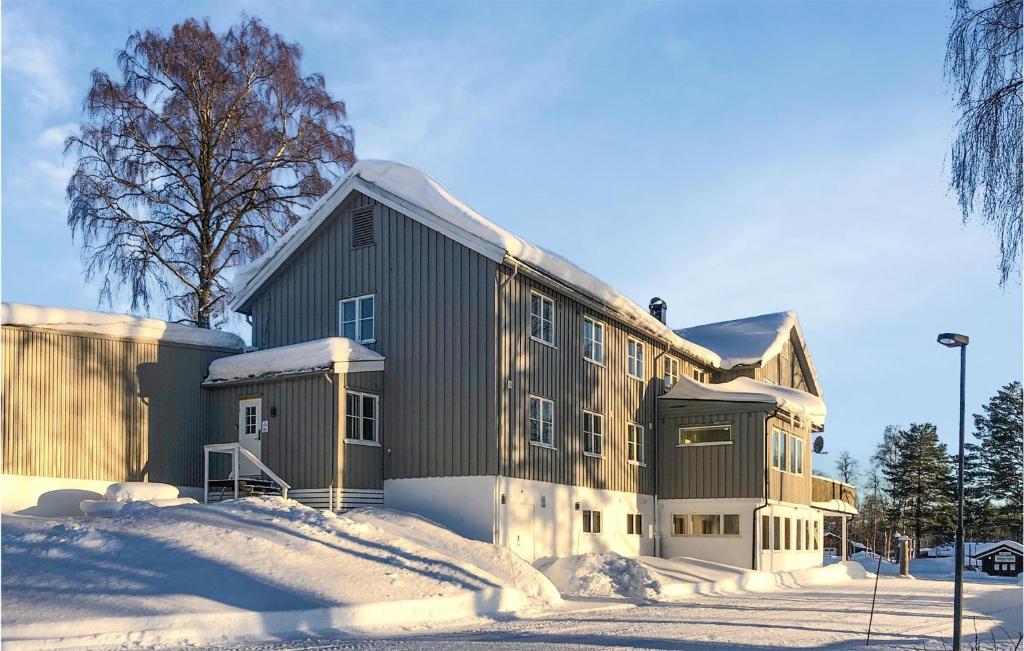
[744, 389]
[422, 190]
[137, 491]
[604, 575]
[250, 568]
[113, 508]
[114, 325]
[744, 341]
[317, 355]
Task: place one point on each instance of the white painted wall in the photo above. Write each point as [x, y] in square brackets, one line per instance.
[729, 550]
[539, 520]
[463, 504]
[778, 561]
[57, 496]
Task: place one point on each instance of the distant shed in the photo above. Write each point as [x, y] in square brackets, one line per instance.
[1005, 558]
[91, 398]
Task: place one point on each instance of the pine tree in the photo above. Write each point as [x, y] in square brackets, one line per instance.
[919, 472]
[998, 473]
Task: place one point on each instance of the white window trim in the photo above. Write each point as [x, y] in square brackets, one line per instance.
[543, 297]
[689, 526]
[600, 517]
[341, 317]
[541, 443]
[592, 455]
[639, 446]
[679, 435]
[376, 419]
[594, 323]
[699, 375]
[643, 357]
[679, 369]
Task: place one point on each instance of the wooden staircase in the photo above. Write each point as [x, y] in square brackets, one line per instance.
[237, 485]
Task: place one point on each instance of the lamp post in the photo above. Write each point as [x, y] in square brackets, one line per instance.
[953, 340]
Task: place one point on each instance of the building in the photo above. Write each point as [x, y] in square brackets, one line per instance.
[1005, 558]
[412, 353]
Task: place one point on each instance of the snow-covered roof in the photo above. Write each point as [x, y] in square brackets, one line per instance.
[835, 506]
[744, 389]
[751, 340]
[1002, 544]
[423, 198]
[335, 354]
[114, 325]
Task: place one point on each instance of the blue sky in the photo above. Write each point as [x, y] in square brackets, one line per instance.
[732, 158]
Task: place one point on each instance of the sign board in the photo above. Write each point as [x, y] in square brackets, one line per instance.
[1005, 557]
[264, 427]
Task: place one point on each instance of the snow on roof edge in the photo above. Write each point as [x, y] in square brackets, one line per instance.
[111, 324]
[422, 190]
[308, 356]
[744, 389]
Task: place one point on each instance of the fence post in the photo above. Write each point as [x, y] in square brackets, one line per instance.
[234, 464]
[206, 475]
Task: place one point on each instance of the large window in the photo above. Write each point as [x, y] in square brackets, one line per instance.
[787, 452]
[361, 417]
[542, 421]
[712, 524]
[635, 442]
[356, 316]
[635, 358]
[671, 371]
[731, 524]
[634, 524]
[542, 318]
[591, 521]
[593, 340]
[705, 434]
[593, 434]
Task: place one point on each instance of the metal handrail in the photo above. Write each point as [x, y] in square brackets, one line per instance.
[233, 449]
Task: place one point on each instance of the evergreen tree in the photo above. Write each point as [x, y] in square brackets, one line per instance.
[980, 514]
[998, 472]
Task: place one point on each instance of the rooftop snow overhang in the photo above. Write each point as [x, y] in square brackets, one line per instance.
[835, 506]
[418, 195]
[329, 355]
[746, 390]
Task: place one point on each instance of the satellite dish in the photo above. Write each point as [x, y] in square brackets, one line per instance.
[819, 444]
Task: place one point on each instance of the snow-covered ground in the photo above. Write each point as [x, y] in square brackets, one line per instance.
[247, 568]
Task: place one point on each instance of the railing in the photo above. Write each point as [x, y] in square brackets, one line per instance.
[234, 449]
[824, 489]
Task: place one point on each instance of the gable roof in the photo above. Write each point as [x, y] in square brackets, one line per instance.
[422, 198]
[745, 389]
[337, 354]
[752, 340]
[1010, 545]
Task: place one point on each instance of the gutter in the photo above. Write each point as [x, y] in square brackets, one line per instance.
[756, 540]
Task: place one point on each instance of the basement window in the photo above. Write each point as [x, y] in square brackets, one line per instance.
[591, 521]
[634, 524]
[362, 227]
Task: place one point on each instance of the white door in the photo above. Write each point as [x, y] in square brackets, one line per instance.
[250, 418]
[520, 530]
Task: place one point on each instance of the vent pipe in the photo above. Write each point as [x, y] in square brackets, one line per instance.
[659, 309]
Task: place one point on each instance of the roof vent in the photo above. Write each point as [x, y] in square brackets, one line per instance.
[362, 227]
[659, 309]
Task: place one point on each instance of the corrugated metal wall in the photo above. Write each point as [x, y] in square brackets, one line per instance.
[711, 471]
[92, 407]
[435, 325]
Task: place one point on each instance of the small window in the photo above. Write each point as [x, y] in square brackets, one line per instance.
[796, 455]
[807, 534]
[778, 452]
[542, 318]
[777, 540]
[671, 371]
[251, 426]
[799, 534]
[705, 434]
[634, 524]
[731, 524]
[362, 227]
[705, 525]
[787, 532]
[593, 340]
[591, 521]
[700, 375]
[356, 316]
[361, 416]
[679, 525]
[635, 442]
[593, 433]
[542, 421]
[635, 358]
[815, 535]
[766, 532]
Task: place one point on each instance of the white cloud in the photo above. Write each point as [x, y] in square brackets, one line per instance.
[36, 61]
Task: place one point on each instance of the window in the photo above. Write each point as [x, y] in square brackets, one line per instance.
[362, 227]
[671, 371]
[635, 441]
[766, 532]
[635, 358]
[542, 421]
[593, 340]
[542, 319]
[799, 534]
[679, 525]
[356, 317]
[807, 535]
[796, 455]
[815, 535]
[249, 421]
[700, 375]
[634, 524]
[705, 525]
[731, 524]
[789, 537]
[361, 417]
[593, 434]
[705, 434]
[591, 521]
[777, 525]
[778, 450]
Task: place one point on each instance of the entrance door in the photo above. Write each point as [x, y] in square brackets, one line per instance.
[520, 530]
[250, 417]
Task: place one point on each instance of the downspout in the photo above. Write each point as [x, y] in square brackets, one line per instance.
[502, 387]
[756, 542]
[657, 462]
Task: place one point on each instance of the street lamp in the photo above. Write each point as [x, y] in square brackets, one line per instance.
[953, 340]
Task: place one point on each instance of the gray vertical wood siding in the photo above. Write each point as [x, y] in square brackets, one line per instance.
[786, 486]
[87, 406]
[435, 324]
[711, 471]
